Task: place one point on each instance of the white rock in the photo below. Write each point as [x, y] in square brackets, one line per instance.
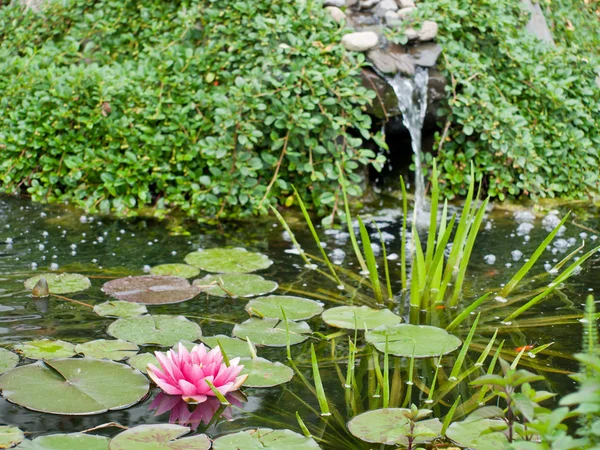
[411, 33]
[360, 41]
[405, 3]
[366, 4]
[336, 13]
[428, 31]
[338, 3]
[386, 5]
[392, 19]
[405, 12]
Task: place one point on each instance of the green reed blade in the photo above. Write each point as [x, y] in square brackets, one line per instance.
[386, 269]
[225, 358]
[466, 312]
[318, 383]
[303, 426]
[409, 383]
[437, 277]
[386, 375]
[490, 371]
[449, 416]
[438, 258]
[403, 239]
[567, 258]
[290, 233]
[220, 396]
[351, 362]
[438, 365]
[463, 351]
[371, 263]
[487, 350]
[251, 347]
[287, 334]
[357, 252]
[532, 260]
[396, 389]
[432, 217]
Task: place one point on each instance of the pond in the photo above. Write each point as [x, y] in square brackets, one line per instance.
[40, 239]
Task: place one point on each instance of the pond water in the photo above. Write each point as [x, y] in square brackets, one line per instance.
[37, 238]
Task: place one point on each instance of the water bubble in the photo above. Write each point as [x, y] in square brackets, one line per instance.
[516, 255]
[550, 222]
[100, 239]
[376, 248]
[122, 231]
[593, 237]
[500, 299]
[54, 256]
[293, 251]
[488, 226]
[94, 260]
[146, 268]
[392, 256]
[286, 236]
[173, 253]
[508, 265]
[42, 214]
[73, 246]
[73, 253]
[583, 235]
[83, 219]
[387, 237]
[9, 240]
[149, 242]
[524, 229]
[45, 233]
[311, 266]
[34, 266]
[323, 244]
[337, 256]
[41, 247]
[53, 266]
[571, 241]
[561, 245]
[118, 238]
[524, 216]
[489, 259]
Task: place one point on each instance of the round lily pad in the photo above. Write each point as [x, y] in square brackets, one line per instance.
[46, 349]
[10, 436]
[162, 330]
[233, 347]
[74, 386]
[390, 426]
[479, 431]
[151, 289]
[263, 373]
[237, 285]
[271, 332]
[8, 360]
[141, 361]
[296, 308]
[61, 283]
[108, 349]
[228, 260]
[265, 439]
[118, 308]
[420, 341]
[175, 270]
[361, 317]
[159, 437]
[66, 442]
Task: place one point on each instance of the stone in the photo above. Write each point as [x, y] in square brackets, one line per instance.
[366, 4]
[537, 23]
[360, 41]
[384, 62]
[385, 6]
[351, 3]
[392, 19]
[405, 64]
[428, 31]
[411, 34]
[405, 12]
[336, 3]
[405, 3]
[425, 55]
[336, 13]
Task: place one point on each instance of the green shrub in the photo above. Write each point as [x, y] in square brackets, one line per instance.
[212, 106]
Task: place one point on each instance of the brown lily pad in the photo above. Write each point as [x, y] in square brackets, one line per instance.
[151, 289]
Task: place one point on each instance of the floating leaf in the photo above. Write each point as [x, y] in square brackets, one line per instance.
[237, 285]
[151, 289]
[10, 436]
[46, 349]
[296, 308]
[117, 308]
[175, 270]
[271, 332]
[420, 341]
[265, 439]
[477, 431]
[263, 373]
[66, 442]
[108, 349]
[359, 316]
[228, 260]
[390, 426]
[61, 283]
[8, 360]
[233, 347]
[162, 330]
[141, 361]
[74, 386]
[159, 437]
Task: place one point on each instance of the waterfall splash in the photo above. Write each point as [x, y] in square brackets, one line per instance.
[412, 101]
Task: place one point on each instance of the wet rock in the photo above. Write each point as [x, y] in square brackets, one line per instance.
[405, 64]
[405, 12]
[405, 3]
[425, 55]
[385, 6]
[392, 19]
[383, 61]
[336, 3]
[411, 34]
[362, 19]
[360, 41]
[366, 4]
[351, 3]
[336, 13]
[428, 31]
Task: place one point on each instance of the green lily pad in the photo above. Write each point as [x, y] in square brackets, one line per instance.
[233, 347]
[159, 437]
[271, 332]
[162, 330]
[390, 426]
[74, 386]
[175, 270]
[8, 360]
[151, 289]
[237, 285]
[420, 341]
[141, 361]
[61, 283]
[478, 430]
[46, 349]
[359, 316]
[228, 260]
[263, 373]
[118, 308]
[66, 442]
[296, 308]
[108, 349]
[265, 439]
[10, 436]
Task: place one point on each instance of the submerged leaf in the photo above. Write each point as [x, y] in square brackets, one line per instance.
[175, 270]
[60, 283]
[46, 349]
[151, 289]
[228, 260]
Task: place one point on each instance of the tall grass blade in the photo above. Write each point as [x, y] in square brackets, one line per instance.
[303, 426]
[409, 383]
[359, 257]
[404, 231]
[386, 269]
[463, 351]
[225, 358]
[290, 233]
[567, 258]
[371, 263]
[438, 364]
[432, 217]
[467, 311]
[318, 383]
[490, 371]
[287, 334]
[449, 416]
[437, 277]
[386, 375]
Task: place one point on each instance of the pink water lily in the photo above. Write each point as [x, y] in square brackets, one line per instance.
[185, 373]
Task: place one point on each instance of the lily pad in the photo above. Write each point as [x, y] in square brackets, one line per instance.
[420, 341]
[10, 436]
[162, 330]
[159, 437]
[228, 260]
[263, 373]
[271, 332]
[362, 317]
[46, 349]
[265, 439]
[141, 361]
[237, 285]
[390, 426]
[108, 349]
[175, 270]
[66, 442]
[8, 360]
[117, 308]
[74, 386]
[61, 283]
[296, 308]
[478, 430]
[233, 347]
[151, 289]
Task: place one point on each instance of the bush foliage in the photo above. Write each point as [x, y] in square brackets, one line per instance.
[215, 107]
